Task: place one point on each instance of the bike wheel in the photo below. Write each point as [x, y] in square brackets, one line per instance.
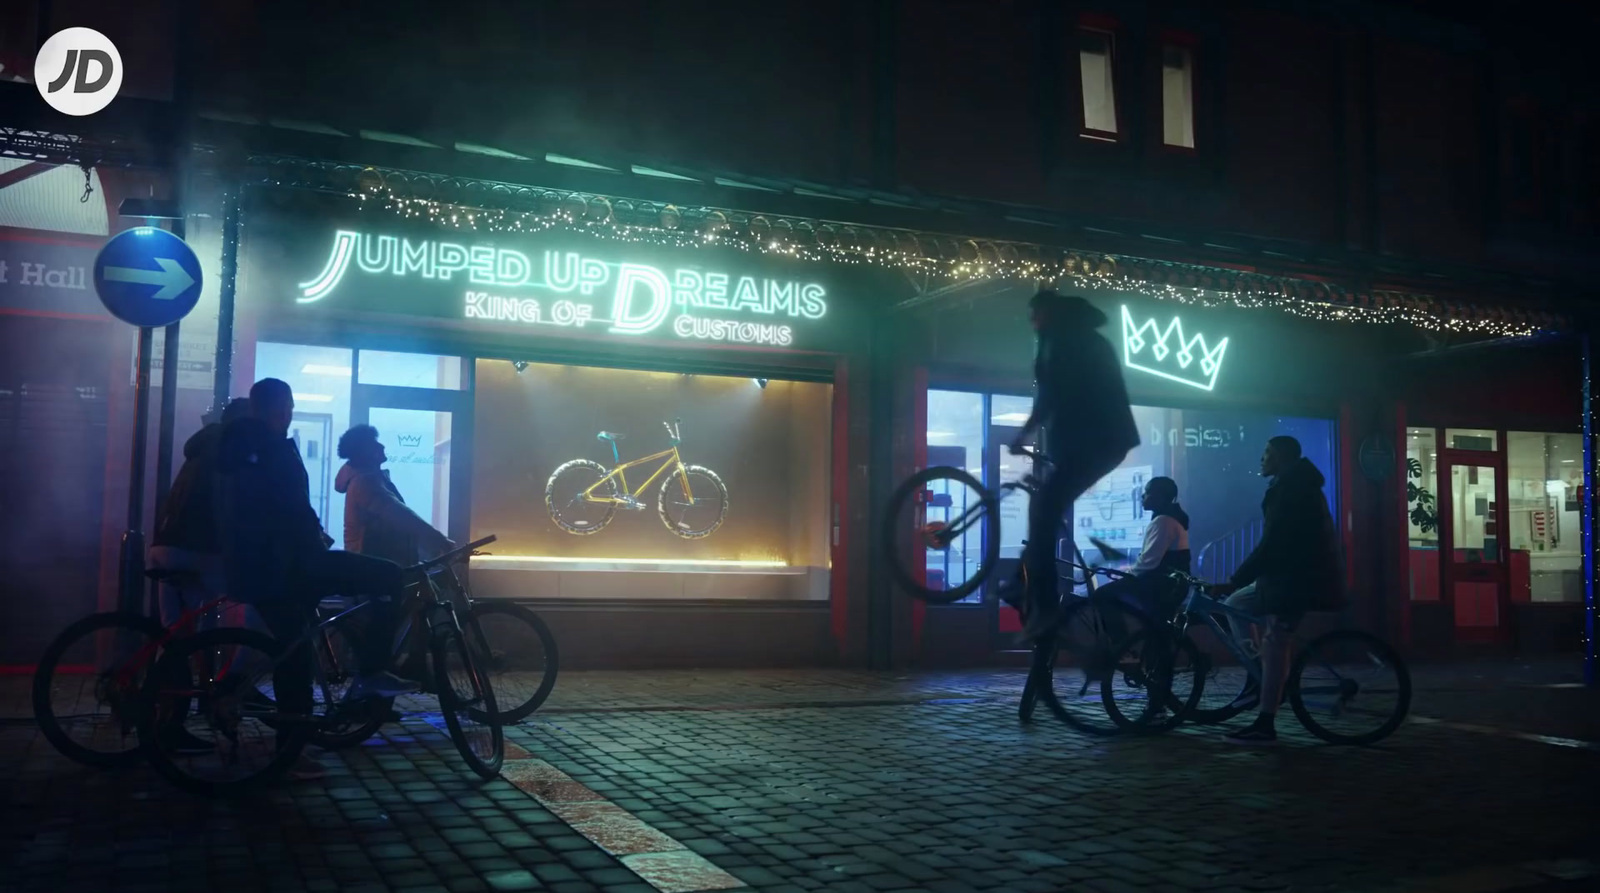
[1349, 687]
[88, 687]
[343, 724]
[1225, 679]
[694, 503]
[1085, 648]
[228, 675]
[521, 659]
[1159, 679]
[565, 500]
[467, 701]
[934, 538]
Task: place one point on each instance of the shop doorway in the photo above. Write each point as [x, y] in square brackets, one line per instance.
[1473, 528]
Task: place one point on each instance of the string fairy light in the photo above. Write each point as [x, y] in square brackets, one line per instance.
[955, 260]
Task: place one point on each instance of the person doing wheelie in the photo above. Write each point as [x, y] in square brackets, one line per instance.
[1294, 568]
[1082, 406]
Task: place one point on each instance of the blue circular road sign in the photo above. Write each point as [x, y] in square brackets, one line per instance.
[147, 277]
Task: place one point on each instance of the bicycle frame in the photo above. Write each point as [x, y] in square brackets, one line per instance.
[146, 653]
[672, 461]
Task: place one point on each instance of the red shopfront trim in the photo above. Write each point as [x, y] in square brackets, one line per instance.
[838, 577]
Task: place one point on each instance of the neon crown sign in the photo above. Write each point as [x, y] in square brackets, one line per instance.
[1170, 352]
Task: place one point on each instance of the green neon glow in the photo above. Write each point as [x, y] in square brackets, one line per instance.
[1171, 353]
[569, 289]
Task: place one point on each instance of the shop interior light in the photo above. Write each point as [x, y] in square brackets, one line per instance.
[933, 434]
[520, 365]
[313, 398]
[760, 383]
[320, 369]
[1014, 417]
[675, 562]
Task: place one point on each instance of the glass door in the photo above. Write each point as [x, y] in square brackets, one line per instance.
[422, 432]
[1007, 413]
[1472, 524]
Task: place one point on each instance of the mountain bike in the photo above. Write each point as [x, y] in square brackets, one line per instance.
[88, 686]
[1345, 686]
[227, 673]
[941, 509]
[582, 496]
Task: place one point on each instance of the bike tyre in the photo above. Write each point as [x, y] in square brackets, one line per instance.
[44, 680]
[293, 737]
[1376, 646]
[515, 713]
[900, 499]
[374, 710]
[449, 644]
[1047, 690]
[722, 496]
[1169, 655]
[609, 486]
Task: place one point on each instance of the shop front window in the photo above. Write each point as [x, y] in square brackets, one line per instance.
[410, 370]
[1422, 514]
[1481, 439]
[955, 437]
[1545, 486]
[1215, 458]
[717, 487]
[320, 378]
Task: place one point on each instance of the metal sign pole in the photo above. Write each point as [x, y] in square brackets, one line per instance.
[1589, 504]
[132, 559]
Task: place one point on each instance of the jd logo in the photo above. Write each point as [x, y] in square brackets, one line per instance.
[410, 440]
[78, 71]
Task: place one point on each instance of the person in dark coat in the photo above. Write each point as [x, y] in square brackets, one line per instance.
[1082, 406]
[276, 553]
[185, 536]
[1293, 569]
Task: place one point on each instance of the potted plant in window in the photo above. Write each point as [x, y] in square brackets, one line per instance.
[1424, 510]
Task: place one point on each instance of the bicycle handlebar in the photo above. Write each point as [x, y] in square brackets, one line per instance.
[452, 556]
[673, 427]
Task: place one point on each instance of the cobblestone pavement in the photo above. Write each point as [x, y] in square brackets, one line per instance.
[852, 781]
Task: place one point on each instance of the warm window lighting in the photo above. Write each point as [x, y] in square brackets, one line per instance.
[319, 369]
[1010, 417]
[313, 398]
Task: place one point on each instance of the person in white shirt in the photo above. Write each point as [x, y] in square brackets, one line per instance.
[1166, 547]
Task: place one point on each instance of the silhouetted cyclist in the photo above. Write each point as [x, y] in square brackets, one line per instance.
[1081, 403]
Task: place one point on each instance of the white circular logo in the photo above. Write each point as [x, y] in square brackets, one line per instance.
[78, 71]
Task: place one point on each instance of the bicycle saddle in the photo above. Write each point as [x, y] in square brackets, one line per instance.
[608, 435]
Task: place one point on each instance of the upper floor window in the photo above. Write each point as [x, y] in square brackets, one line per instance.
[1095, 58]
[1177, 96]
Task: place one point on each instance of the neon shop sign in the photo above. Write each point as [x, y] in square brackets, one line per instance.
[567, 289]
[1170, 352]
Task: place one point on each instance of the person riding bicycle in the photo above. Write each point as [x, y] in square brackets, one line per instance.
[276, 553]
[1166, 548]
[1082, 405]
[1294, 568]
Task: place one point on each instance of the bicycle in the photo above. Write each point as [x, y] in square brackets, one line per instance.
[123, 647]
[1081, 649]
[246, 725]
[1339, 653]
[583, 497]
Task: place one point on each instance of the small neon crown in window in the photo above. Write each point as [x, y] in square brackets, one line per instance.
[410, 440]
[1170, 352]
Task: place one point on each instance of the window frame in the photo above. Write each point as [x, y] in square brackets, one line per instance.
[1190, 43]
[1111, 29]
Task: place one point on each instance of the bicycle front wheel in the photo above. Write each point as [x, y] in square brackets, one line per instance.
[88, 687]
[693, 503]
[467, 701]
[234, 740]
[520, 657]
[1349, 687]
[933, 534]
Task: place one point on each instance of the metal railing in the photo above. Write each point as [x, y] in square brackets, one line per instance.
[1222, 556]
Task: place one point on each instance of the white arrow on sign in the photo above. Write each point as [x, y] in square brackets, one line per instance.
[172, 278]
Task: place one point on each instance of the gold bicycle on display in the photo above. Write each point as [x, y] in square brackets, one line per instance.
[583, 496]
